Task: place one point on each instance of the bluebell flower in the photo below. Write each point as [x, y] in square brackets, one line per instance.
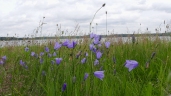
[107, 44]
[4, 58]
[41, 60]
[98, 54]
[65, 43]
[92, 35]
[86, 76]
[57, 46]
[99, 74]
[32, 53]
[49, 55]
[26, 49]
[46, 49]
[58, 60]
[22, 63]
[96, 62]
[72, 44]
[83, 60]
[92, 48]
[1, 62]
[131, 64]
[41, 53]
[54, 53]
[64, 87]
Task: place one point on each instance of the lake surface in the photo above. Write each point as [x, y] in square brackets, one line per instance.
[79, 40]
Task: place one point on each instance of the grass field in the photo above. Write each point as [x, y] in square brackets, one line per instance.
[76, 69]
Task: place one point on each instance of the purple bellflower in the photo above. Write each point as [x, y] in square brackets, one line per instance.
[131, 64]
[83, 60]
[26, 49]
[22, 63]
[86, 76]
[96, 62]
[92, 35]
[65, 43]
[54, 53]
[64, 87]
[58, 60]
[4, 58]
[41, 53]
[98, 54]
[97, 39]
[99, 74]
[72, 44]
[107, 44]
[57, 46]
[49, 55]
[1, 62]
[46, 49]
[86, 54]
[32, 53]
[92, 48]
[41, 60]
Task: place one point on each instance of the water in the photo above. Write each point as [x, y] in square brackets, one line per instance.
[51, 41]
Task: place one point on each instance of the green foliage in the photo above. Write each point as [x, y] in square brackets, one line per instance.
[151, 77]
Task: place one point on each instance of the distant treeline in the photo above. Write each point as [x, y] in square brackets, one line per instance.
[87, 36]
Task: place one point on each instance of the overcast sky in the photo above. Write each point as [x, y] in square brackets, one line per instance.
[22, 17]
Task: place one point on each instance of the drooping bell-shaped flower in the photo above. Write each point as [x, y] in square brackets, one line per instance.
[92, 48]
[64, 87]
[1, 62]
[54, 53]
[99, 74]
[96, 62]
[46, 49]
[92, 36]
[86, 54]
[41, 60]
[22, 63]
[58, 60]
[107, 44]
[4, 58]
[32, 53]
[41, 53]
[83, 60]
[131, 64]
[49, 55]
[65, 43]
[98, 54]
[57, 46]
[26, 49]
[86, 76]
[72, 44]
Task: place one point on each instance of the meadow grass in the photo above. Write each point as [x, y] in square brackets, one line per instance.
[152, 77]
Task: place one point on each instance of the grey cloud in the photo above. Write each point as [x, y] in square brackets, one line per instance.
[162, 7]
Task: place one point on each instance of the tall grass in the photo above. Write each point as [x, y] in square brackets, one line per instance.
[152, 77]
